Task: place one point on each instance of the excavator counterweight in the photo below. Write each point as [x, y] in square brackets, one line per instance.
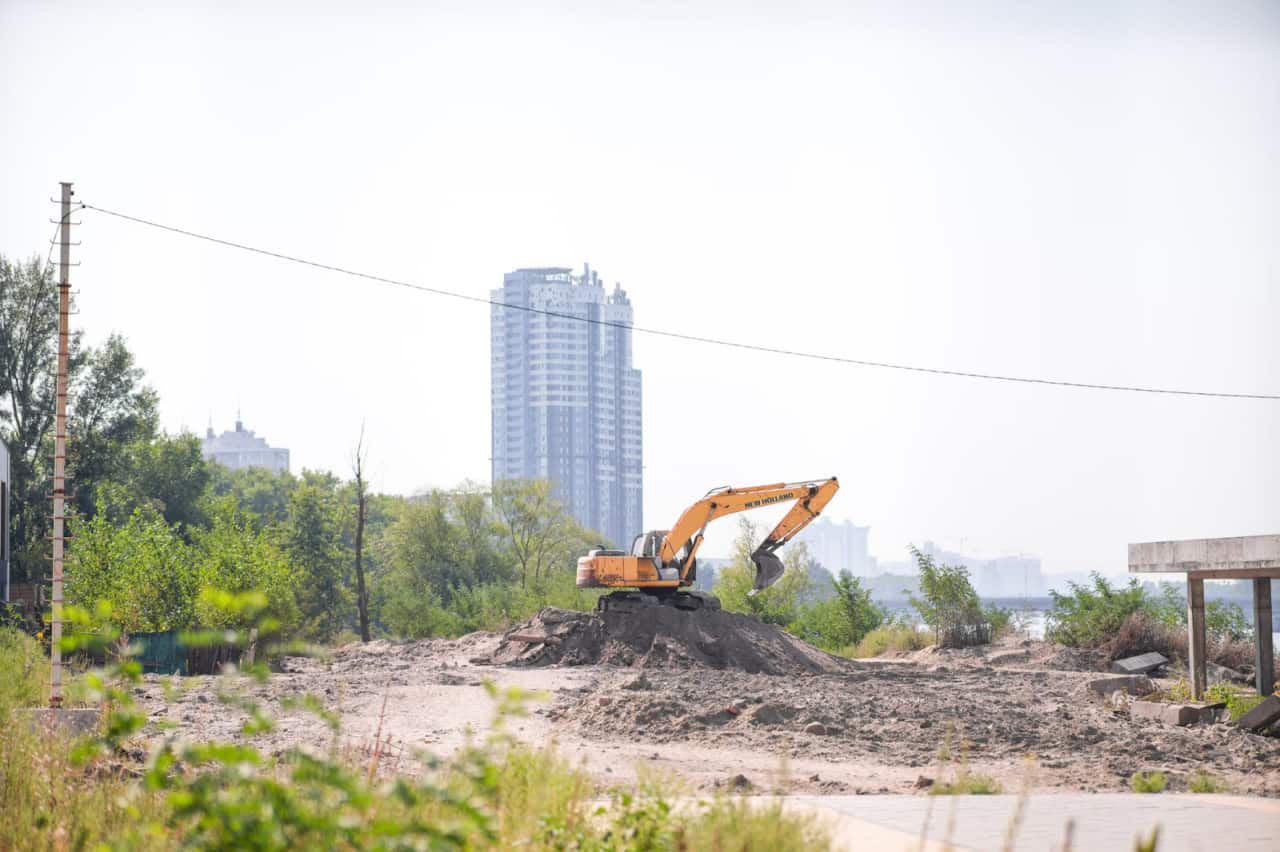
[663, 562]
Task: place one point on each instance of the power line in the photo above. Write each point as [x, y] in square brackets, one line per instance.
[754, 347]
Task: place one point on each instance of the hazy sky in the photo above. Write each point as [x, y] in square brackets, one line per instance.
[1090, 194]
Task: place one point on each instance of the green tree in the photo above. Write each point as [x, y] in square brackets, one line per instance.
[143, 568]
[540, 533]
[841, 620]
[111, 412]
[312, 540]
[780, 603]
[948, 602]
[257, 490]
[167, 475]
[28, 365]
[1089, 613]
[232, 555]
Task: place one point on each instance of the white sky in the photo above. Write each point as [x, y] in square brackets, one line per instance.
[1088, 194]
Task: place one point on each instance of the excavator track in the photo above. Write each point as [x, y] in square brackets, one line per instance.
[632, 602]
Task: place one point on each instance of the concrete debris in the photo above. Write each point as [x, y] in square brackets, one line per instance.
[1263, 716]
[1222, 674]
[1141, 664]
[1130, 684]
[772, 714]
[815, 728]
[1175, 714]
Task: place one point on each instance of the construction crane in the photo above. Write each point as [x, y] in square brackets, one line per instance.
[664, 562]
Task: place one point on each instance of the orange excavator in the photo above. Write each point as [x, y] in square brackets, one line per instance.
[662, 563]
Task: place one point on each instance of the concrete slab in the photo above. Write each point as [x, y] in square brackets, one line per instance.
[1266, 713]
[66, 721]
[1128, 684]
[1175, 714]
[1251, 555]
[1099, 822]
[1141, 664]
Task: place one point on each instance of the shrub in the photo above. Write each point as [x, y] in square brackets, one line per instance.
[949, 604]
[1221, 618]
[840, 621]
[1148, 782]
[896, 638]
[1089, 614]
[967, 784]
[1201, 781]
[24, 671]
[1238, 701]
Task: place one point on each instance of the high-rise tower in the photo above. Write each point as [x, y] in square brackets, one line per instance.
[565, 398]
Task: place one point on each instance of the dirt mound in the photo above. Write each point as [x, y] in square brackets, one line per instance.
[659, 636]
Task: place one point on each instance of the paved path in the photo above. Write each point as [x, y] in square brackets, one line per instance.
[1101, 822]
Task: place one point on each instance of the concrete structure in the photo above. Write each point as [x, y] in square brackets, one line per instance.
[5, 497]
[565, 398]
[839, 546]
[1254, 557]
[241, 448]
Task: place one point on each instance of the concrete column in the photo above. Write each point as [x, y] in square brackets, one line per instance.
[1195, 635]
[1264, 660]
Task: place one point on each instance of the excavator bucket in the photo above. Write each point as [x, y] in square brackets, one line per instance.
[769, 569]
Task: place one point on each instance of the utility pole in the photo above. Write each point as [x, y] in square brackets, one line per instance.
[60, 444]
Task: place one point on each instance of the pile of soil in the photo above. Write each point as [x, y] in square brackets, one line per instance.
[660, 637]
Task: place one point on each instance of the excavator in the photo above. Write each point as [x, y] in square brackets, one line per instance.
[663, 563]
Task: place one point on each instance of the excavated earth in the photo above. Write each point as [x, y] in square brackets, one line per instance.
[659, 637]
[710, 696]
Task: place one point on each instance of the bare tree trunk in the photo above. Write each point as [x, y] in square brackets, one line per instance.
[362, 594]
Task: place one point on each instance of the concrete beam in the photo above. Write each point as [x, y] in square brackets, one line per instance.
[1244, 556]
[1195, 636]
[1264, 657]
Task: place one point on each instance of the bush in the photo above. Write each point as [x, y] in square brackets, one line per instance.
[1148, 782]
[950, 605]
[24, 671]
[1090, 614]
[894, 638]
[968, 784]
[1238, 701]
[840, 621]
[1221, 618]
[1201, 781]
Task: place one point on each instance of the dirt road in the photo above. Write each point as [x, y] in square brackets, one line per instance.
[866, 727]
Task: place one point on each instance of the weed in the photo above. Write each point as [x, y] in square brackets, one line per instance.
[896, 639]
[1201, 781]
[1238, 701]
[1148, 782]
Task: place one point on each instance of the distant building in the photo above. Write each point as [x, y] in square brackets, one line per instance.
[999, 577]
[4, 517]
[242, 448]
[565, 398]
[839, 546]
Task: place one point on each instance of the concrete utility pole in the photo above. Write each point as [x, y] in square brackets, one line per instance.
[60, 444]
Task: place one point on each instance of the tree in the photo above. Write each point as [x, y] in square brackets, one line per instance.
[111, 412]
[312, 541]
[28, 367]
[780, 603]
[948, 603]
[540, 533]
[263, 493]
[362, 513]
[168, 475]
[231, 555]
[142, 568]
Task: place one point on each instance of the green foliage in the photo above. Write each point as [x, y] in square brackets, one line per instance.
[840, 621]
[142, 570]
[893, 638]
[312, 541]
[262, 493]
[199, 794]
[1238, 701]
[167, 476]
[233, 556]
[1202, 781]
[949, 604]
[968, 784]
[24, 671]
[1221, 618]
[780, 603]
[1089, 614]
[1148, 782]
[540, 534]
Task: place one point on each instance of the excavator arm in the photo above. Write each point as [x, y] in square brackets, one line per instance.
[681, 543]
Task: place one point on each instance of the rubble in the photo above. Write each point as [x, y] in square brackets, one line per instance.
[1175, 714]
[1129, 684]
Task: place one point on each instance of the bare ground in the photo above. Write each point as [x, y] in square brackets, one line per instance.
[879, 724]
